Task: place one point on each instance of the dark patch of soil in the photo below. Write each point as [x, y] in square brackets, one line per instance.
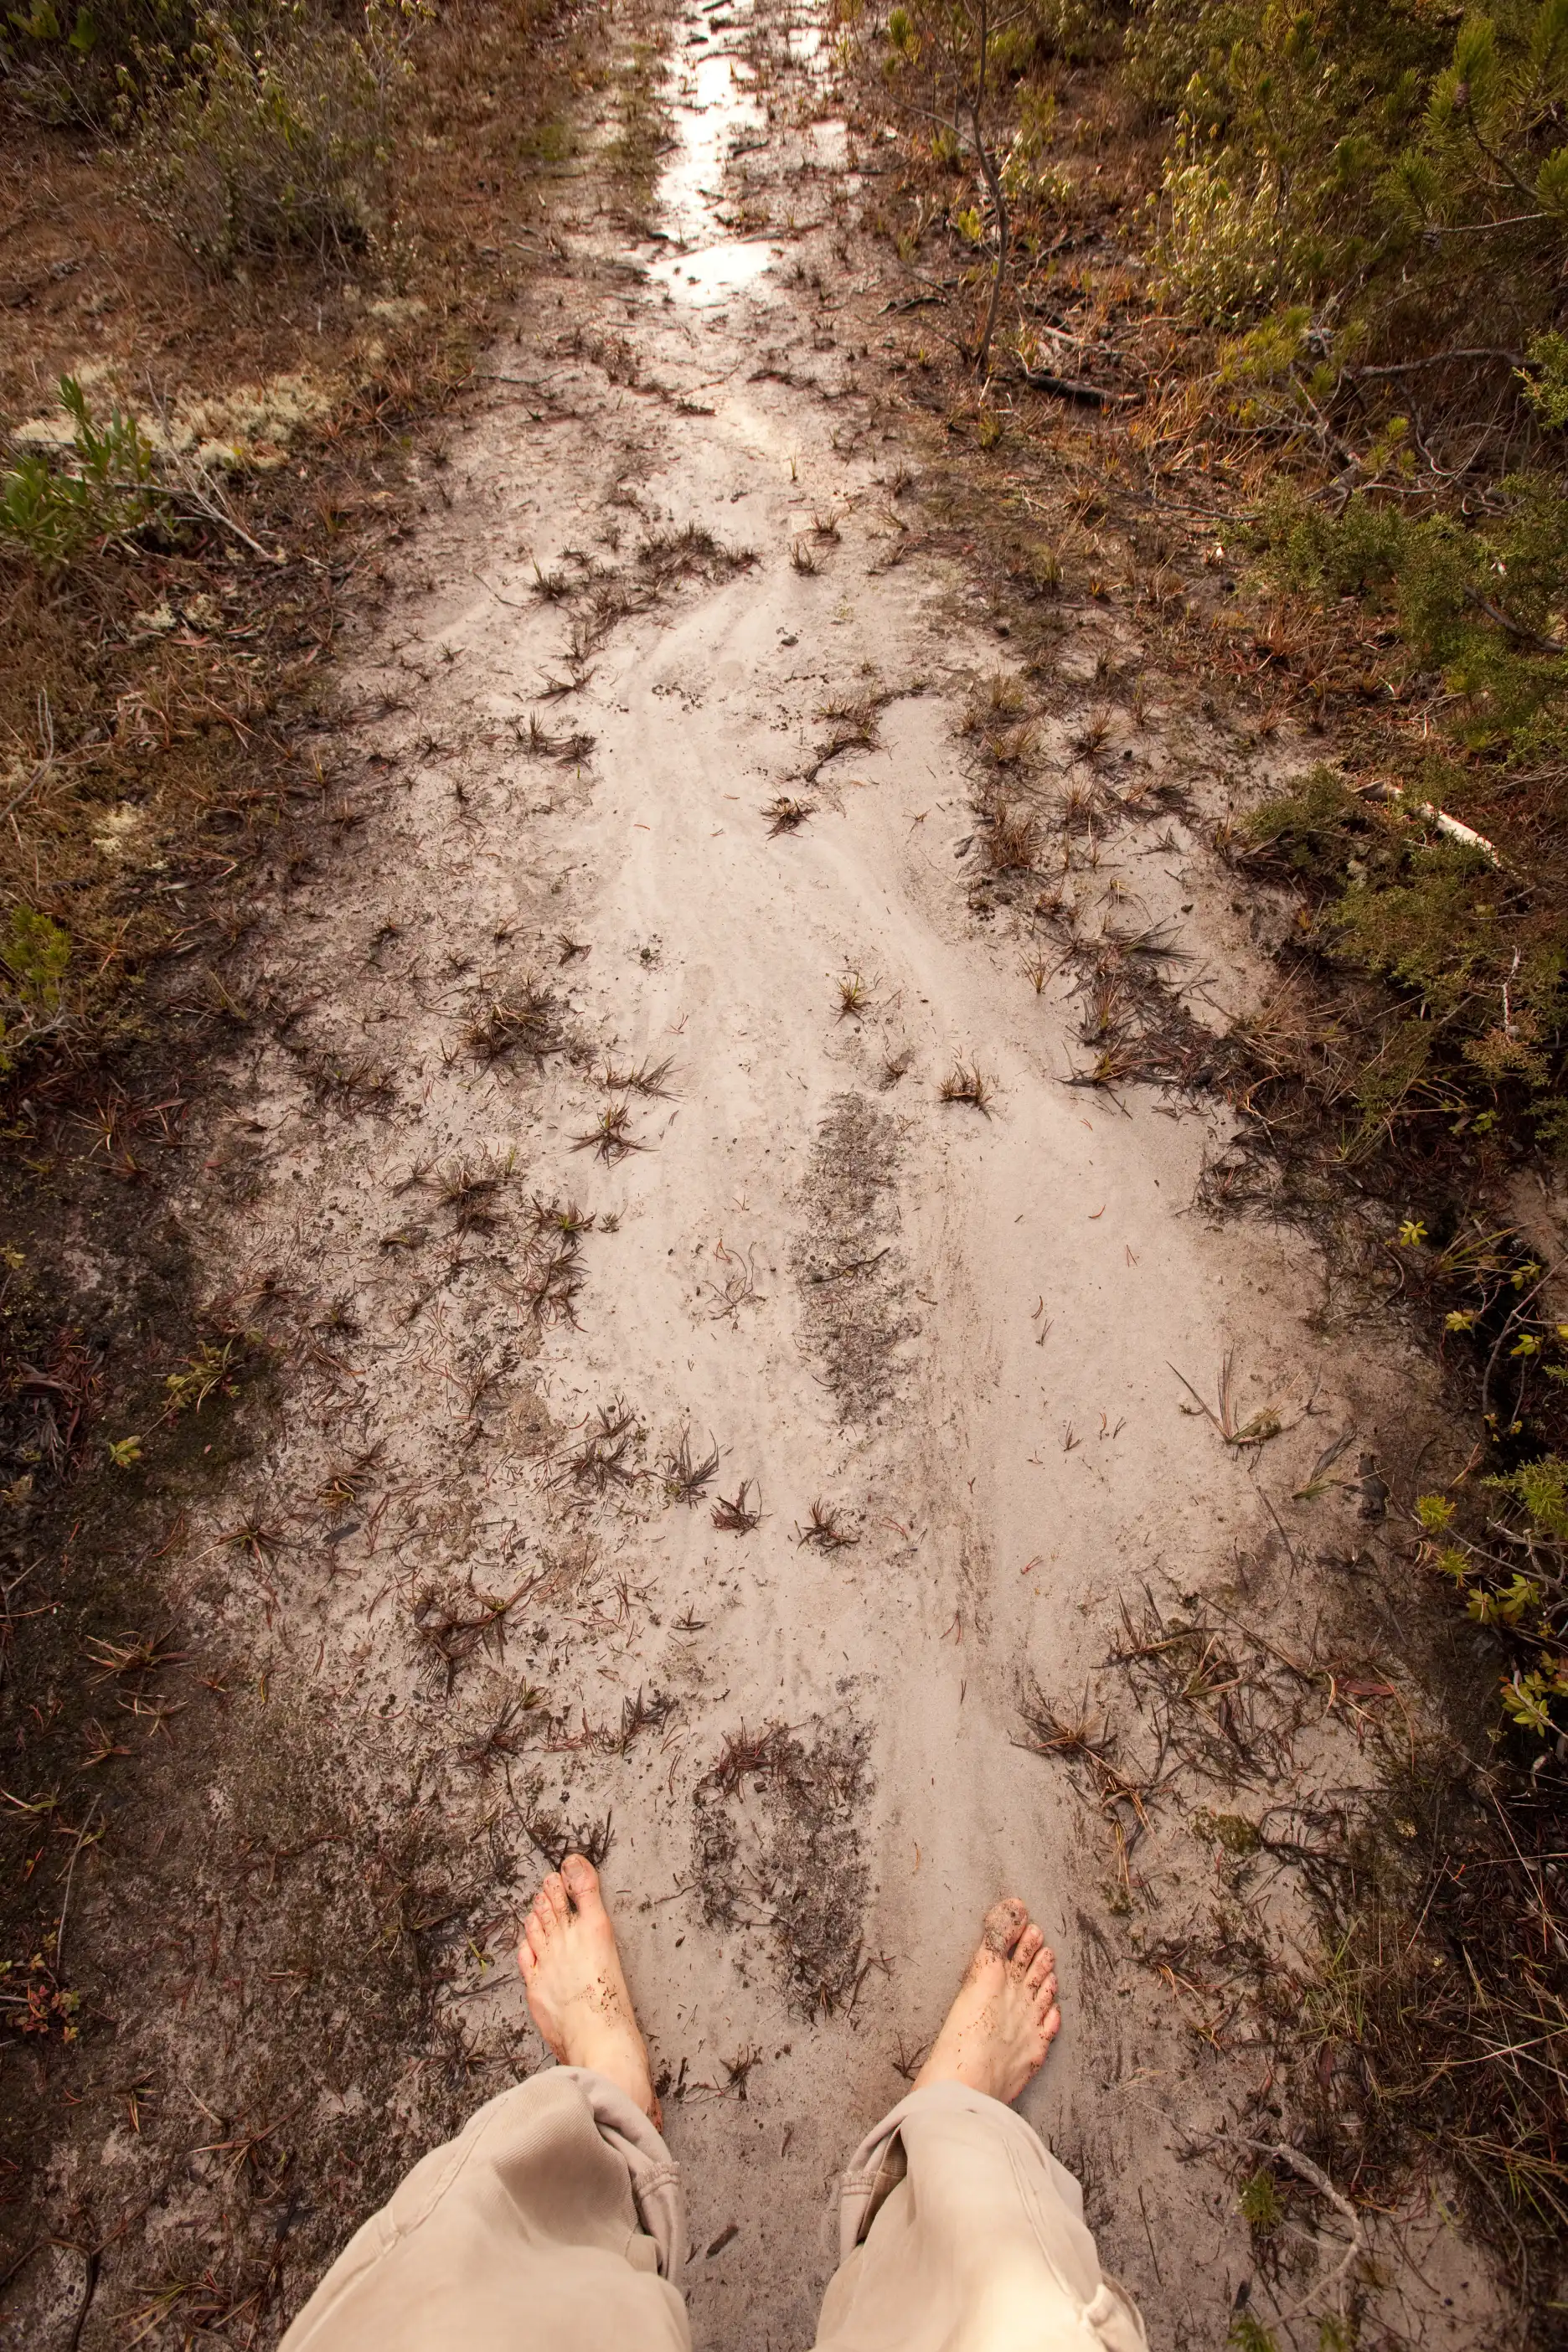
[776, 1844]
[846, 1263]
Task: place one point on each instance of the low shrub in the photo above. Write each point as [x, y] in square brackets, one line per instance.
[74, 63]
[279, 141]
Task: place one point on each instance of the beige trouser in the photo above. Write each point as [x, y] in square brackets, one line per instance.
[555, 2223]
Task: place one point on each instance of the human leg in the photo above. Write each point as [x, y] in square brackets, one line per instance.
[959, 2231]
[556, 2218]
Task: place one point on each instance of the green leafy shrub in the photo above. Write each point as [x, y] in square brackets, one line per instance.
[54, 504]
[1481, 968]
[1481, 602]
[1415, 175]
[279, 141]
[1224, 239]
[73, 62]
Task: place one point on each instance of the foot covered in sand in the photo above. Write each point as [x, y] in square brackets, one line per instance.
[576, 1992]
[996, 2034]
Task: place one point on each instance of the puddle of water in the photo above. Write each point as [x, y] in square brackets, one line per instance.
[712, 111]
[713, 274]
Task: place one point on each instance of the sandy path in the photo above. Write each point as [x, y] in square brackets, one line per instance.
[952, 1327]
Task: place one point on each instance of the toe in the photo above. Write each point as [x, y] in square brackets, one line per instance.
[1051, 2025]
[525, 1958]
[1026, 1948]
[582, 1883]
[1004, 1922]
[536, 1935]
[1042, 1964]
[552, 1896]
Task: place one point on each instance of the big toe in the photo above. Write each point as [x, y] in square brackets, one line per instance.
[1004, 1922]
[582, 1883]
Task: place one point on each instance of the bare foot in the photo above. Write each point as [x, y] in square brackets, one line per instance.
[576, 1992]
[1006, 2018]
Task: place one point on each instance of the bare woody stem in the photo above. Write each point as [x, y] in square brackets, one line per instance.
[998, 199]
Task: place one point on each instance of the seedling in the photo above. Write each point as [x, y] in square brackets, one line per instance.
[346, 1482]
[257, 1537]
[209, 1373]
[133, 1653]
[359, 1084]
[470, 1192]
[455, 1633]
[647, 1712]
[556, 1838]
[747, 1755]
[1258, 1429]
[1013, 841]
[551, 1279]
[1093, 735]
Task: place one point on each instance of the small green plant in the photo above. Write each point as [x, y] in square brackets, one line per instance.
[1512, 1577]
[124, 1452]
[1248, 2333]
[37, 953]
[99, 488]
[1262, 2208]
[209, 1373]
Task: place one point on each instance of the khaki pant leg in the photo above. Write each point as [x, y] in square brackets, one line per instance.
[960, 2233]
[553, 2223]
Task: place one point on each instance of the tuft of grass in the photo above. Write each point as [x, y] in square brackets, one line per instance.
[605, 1453]
[802, 558]
[562, 1217]
[610, 1138]
[966, 1081]
[649, 1078]
[787, 816]
[853, 996]
[825, 1530]
[739, 1516]
[527, 1022]
[687, 1475]
[1012, 840]
[1093, 738]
